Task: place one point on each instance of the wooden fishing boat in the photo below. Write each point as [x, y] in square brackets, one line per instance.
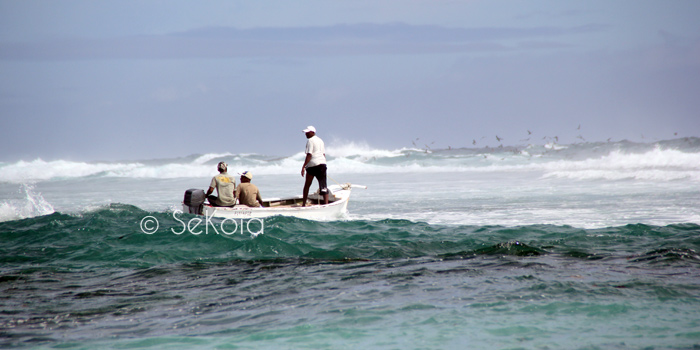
[289, 206]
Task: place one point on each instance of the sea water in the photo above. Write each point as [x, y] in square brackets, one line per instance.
[583, 246]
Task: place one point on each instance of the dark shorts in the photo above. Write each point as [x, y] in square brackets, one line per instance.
[215, 202]
[319, 172]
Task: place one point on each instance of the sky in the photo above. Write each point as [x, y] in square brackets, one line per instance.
[142, 79]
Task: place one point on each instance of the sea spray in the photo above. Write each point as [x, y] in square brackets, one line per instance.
[29, 204]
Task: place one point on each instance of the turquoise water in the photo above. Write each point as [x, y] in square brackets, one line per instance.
[95, 281]
[590, 246]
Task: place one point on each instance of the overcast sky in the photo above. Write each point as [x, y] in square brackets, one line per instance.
[123, 79]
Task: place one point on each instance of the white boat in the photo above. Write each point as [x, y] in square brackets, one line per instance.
[336, 208]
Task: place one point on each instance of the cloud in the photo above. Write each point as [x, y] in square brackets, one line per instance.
[346, 39]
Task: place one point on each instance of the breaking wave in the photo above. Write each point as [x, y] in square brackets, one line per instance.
[659, 161]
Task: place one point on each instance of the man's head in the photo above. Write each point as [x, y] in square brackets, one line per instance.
[222, 167]
[310, 131]
[246, 176]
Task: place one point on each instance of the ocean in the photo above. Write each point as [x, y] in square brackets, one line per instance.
[578, 246]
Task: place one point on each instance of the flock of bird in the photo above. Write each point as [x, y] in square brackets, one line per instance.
[555, 139]
[548, 139]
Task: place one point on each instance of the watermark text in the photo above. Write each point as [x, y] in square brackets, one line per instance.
[196, 226]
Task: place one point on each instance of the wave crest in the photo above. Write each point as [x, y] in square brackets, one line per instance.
[662, 161]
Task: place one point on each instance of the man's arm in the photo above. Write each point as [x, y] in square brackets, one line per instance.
[306, 161]
[211, 186]
[259, 198]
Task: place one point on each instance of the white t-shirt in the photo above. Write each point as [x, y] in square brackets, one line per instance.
[315, 146]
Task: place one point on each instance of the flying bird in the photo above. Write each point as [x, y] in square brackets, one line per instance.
[498, 138]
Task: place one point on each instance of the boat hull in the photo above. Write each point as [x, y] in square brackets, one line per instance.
[291, 206]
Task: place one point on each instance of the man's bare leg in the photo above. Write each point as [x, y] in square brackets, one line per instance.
[307, 185]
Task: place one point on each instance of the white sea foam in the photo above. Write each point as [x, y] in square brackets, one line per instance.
[167, 171]
[209, 156]
[655, 164]
[32, 204]
[37, 170]
[360, 150]
[583, 185]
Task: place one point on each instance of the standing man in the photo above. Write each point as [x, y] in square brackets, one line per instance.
[314, 164]
[225, 187]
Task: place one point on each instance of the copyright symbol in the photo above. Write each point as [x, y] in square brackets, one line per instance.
[149, 225]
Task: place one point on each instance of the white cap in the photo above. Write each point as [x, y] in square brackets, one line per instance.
[247, 174]
[309, 129]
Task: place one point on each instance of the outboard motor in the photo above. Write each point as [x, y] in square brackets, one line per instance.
[194, 200]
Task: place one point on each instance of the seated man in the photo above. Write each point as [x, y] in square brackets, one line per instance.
[247, 193]
[225, 187]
